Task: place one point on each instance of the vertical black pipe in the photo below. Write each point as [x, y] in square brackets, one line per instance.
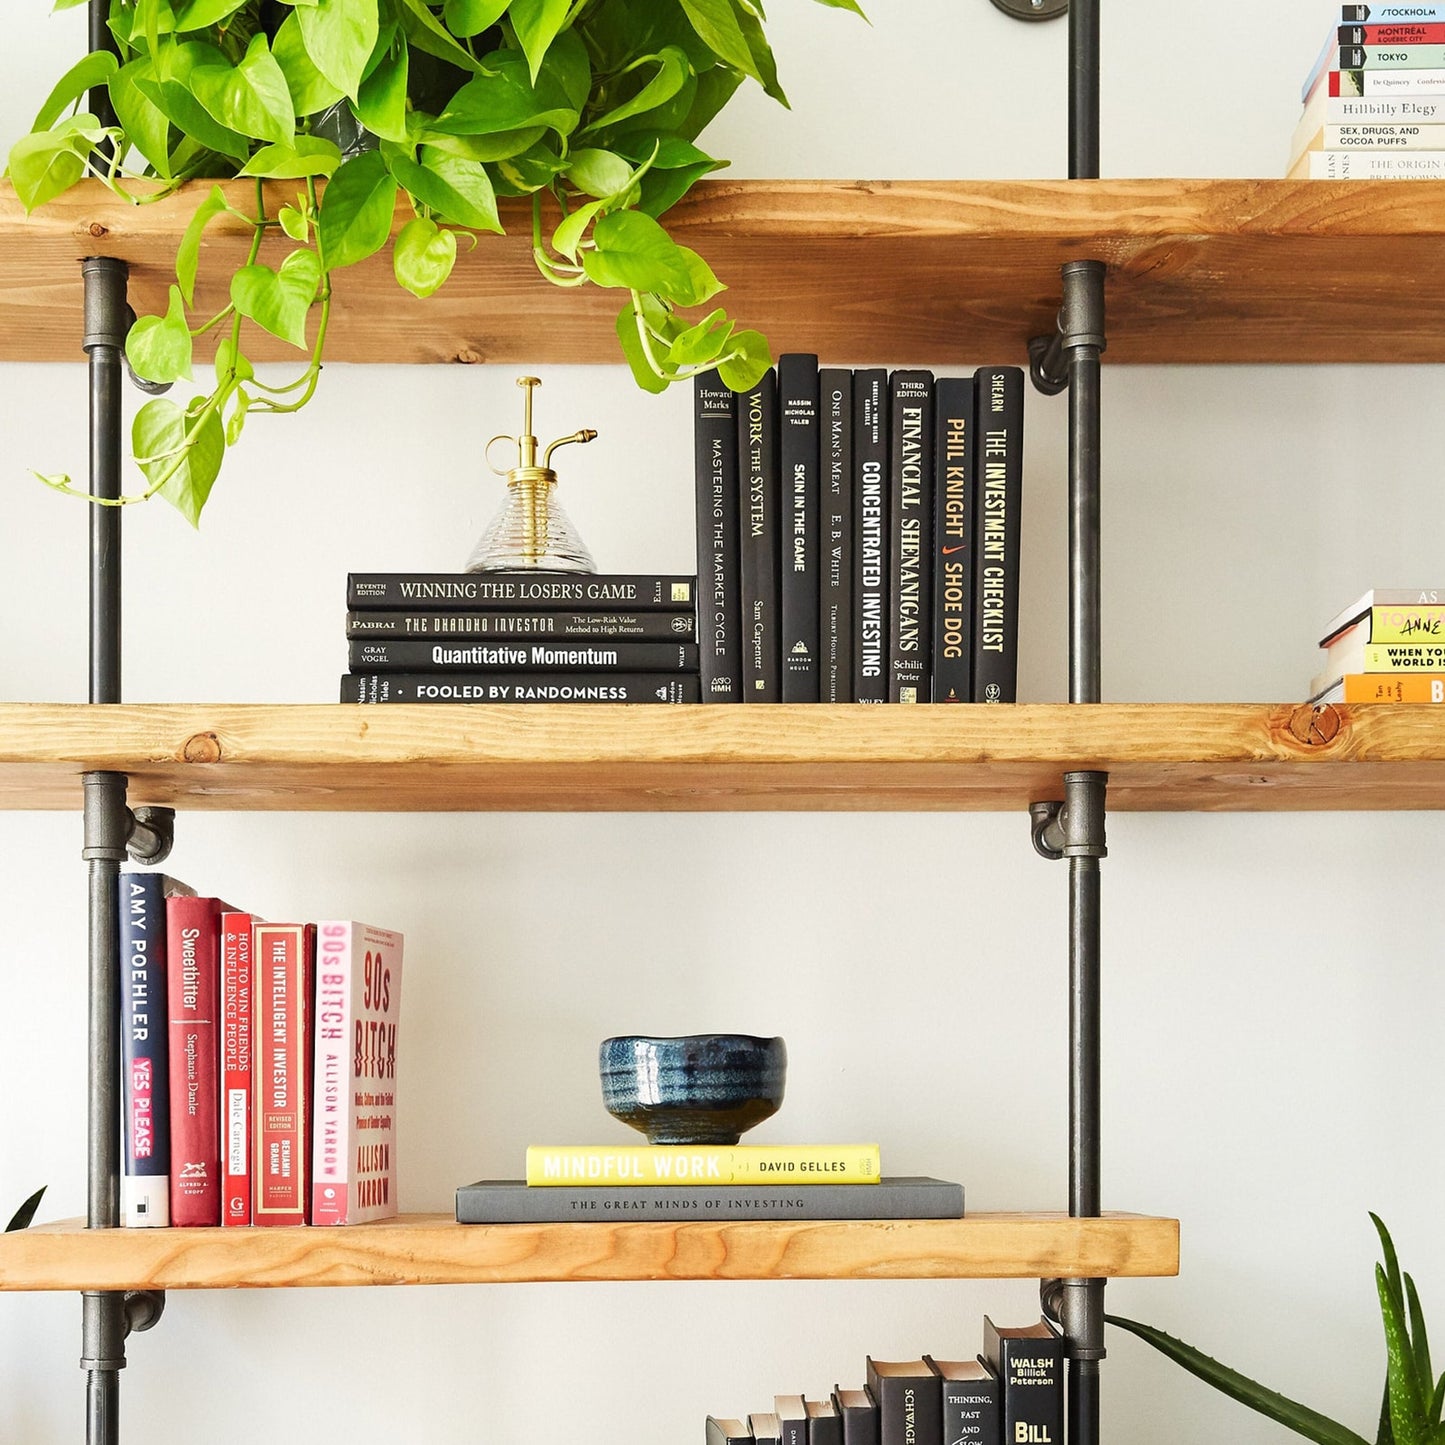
[106, 318]
[1081, 327]
[100, 38]
[103, 1326]
[1083, 89]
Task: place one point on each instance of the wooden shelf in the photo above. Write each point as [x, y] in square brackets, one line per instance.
[609, 758]
[434, 1249]
[921, 271]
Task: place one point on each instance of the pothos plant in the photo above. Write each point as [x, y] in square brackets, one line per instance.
[591, 108]
[1410, 1410]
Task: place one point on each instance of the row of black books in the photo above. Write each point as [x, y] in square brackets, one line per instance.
[858, 535]
[505, 637]
[1013, 1391]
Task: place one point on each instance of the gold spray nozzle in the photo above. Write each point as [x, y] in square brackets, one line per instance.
[526, 468]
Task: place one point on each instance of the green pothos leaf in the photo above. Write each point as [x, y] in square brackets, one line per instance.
[188, 256]
[470, 17]
[181, 451]
[635, 353]
[749, 356]
[159, 347]
[279, 300]
[423, 255]
[536, 23]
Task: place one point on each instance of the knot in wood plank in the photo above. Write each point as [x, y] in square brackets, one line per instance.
[1316, 725]
[201, 748]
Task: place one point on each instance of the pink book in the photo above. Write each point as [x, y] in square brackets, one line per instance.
[283, 970]
[358, 1001]
[193, 978]
[236, 1068]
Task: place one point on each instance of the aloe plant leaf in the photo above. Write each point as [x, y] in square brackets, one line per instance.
[1385, 1436]
[1269, 1403]
[1392, 1263]
[1419, 1343]
[1407, 1404]
[26, 1212]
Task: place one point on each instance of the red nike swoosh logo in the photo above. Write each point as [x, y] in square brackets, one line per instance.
[949, 551]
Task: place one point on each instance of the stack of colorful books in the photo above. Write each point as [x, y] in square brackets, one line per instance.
[520, 637]
[1389, 646]
[1374, 101]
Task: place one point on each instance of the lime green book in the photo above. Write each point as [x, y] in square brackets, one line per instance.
[703, 1164]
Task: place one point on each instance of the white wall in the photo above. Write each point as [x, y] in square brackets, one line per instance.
[1272, 990]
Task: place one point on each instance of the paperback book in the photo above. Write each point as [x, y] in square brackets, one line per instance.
[511, 687]
[604, 591]
[1395, 614]
[703, 1164]
[1385, 687]
[559, 626]
[415, 655]
[514, 1201]
[285, 961]
[910, 563]
[870, 535]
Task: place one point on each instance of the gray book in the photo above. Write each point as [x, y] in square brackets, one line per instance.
[511, 1201]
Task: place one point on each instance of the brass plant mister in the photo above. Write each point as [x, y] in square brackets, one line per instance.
[531, 532]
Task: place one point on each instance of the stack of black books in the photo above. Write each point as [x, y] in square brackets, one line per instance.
[520, 637]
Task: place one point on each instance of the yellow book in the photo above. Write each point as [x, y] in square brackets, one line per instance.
[703, 1164]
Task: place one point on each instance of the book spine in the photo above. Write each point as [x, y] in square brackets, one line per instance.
[1386, 82]
[703, 1164]
[835, 527]
[1368, 165]
[1388, 14]
[284, 962]
[760, 545]
[1392, 687]
[910, 634]
[1355, 136]
[501, 687]
[798, 462]
[1391, 56]
[1406, 624]
[953, 540]
[1411, 110]
[145, 1093]
[236, 1072]
[358, 1002]
[1430, 33]
[971, 1412]
[998, 442]
[193, 975]
[909, 1409]
[1032, 1387]
[441, 591]
[1403, 657]
[719, 613]
[870, 535]
[611, 626]
[414, 655]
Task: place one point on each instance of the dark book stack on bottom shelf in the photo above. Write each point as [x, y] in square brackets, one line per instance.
[506, 637]
[1013, 1392]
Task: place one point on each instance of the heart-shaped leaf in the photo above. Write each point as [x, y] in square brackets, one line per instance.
[536, 23]
[750, 358]
[635, 252]
[279, 300]
[339, 36]
[96, 69]
[357, 208]
[181, 451]
[381, 103]
[423, 256]
[49, 162]
[470, 17]
[143, 121]
[159, 347]
[457, 190]
[306, 155]
[311, 92]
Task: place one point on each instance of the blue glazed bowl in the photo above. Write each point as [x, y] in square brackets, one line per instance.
[698, 1089]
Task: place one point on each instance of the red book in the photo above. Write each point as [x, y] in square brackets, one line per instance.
[283, 962]
[236, 1068]
[358, 1001]
[193, 941]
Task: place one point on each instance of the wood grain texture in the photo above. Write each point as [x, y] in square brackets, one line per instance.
[434, 1249]
[590, 758]
[920, 272]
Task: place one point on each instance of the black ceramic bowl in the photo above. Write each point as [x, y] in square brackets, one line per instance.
[698, 1089]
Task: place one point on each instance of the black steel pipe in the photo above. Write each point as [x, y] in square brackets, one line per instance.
[100, 38]
[106, 321]
[1081, 327]
[1083, 1411]
[1083, 89]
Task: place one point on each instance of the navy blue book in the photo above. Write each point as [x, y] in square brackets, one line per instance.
[799, 459]
[145, 1182]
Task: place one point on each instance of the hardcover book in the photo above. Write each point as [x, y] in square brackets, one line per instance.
[603, 591]
[824, 1426]
[870, 535]
[284, 959]
[697, 1164]
[999, 449]
[719, 612]
[760, 545]
[725, 1431]
[193, 989]
[514, 1201]
[969, 1393]
[508, 687]
[798, 459]
[145, 1184]
[1029, 1362]
[236, 1070]
[910, 492]
[953, 526]
[910, 1403]
[520, 655]
[353, 1116]
[765, 1427]
[562, 626]
[792, 1413]
[835, 528]
[1397, 607]
[859, 1414]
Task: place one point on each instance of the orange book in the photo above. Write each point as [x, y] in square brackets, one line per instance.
[1389, 687]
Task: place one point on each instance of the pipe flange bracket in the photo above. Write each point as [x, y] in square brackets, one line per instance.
[143, 1308]
[152, 833]
[1046, 830]
[1047, 368]
[1033, 9]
